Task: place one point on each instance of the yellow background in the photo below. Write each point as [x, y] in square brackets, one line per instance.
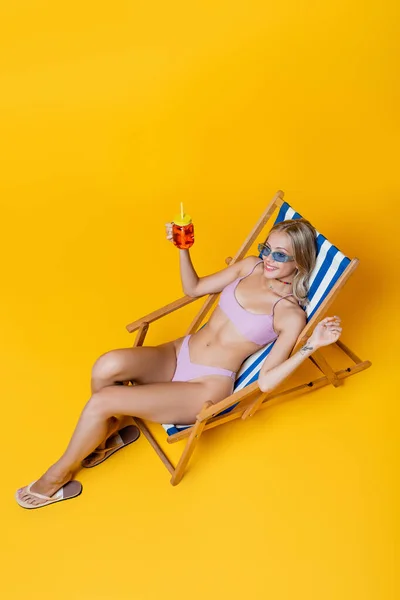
[111, 114]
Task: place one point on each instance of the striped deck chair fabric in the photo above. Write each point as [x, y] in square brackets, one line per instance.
[330, 265]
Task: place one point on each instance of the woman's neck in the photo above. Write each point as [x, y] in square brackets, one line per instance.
[280, 286]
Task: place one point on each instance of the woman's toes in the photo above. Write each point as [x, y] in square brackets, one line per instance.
[32, 500]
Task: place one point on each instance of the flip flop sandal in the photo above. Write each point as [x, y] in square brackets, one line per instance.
[123, 437]
[72, 489]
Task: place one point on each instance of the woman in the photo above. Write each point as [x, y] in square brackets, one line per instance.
[261, 301]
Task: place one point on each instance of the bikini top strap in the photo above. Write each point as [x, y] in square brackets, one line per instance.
[250, 272]
[279, 299]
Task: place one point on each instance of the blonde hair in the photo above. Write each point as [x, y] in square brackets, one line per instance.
[303, 238]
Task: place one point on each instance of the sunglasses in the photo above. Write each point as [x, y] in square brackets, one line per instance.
[277, 256]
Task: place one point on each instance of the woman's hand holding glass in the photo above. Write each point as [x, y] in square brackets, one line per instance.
[168, 232]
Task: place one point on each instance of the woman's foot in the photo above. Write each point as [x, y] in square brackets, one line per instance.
[116, 441]
[100, 453]
[47, 486]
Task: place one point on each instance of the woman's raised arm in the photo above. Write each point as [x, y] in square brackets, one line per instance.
[273, 372]
[196, 286]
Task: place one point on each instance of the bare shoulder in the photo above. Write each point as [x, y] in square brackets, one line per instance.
[289, 316]
[216, 282]
[248, 263]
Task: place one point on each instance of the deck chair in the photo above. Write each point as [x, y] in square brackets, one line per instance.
[331, 272]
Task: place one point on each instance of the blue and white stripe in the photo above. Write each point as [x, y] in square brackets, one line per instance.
[330, 265]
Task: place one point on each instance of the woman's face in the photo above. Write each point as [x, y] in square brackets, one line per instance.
[280, 242]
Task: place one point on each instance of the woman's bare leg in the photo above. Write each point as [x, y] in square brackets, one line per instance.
[173, 402]
[143, 364]
[130, 364]
[110, 369]
[114, 424]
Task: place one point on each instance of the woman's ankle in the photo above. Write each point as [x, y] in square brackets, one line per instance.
[58, 473]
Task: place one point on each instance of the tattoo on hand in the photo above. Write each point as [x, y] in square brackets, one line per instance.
[305, 349]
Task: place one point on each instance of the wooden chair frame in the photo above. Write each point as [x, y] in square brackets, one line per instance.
[249, 399]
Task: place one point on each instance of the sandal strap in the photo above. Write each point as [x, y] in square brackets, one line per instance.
[35, 494]
[100, 450]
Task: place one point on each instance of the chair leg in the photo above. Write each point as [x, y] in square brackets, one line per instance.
[318, 359]
[187, 453]
[153, 443]
[349, 352]
[254, 406]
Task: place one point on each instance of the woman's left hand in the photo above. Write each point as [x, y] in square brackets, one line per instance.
[326, 332]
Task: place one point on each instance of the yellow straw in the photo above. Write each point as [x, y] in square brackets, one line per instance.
[182, 210]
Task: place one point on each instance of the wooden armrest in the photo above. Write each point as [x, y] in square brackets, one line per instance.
[161, 312]
[207, 412]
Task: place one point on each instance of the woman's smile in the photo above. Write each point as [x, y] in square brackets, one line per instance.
[270, 268]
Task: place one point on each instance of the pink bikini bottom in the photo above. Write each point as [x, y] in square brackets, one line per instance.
[186, 370]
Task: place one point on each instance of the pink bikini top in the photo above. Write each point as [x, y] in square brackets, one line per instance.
[257, 328]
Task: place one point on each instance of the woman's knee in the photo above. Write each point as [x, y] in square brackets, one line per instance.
[107, 366]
